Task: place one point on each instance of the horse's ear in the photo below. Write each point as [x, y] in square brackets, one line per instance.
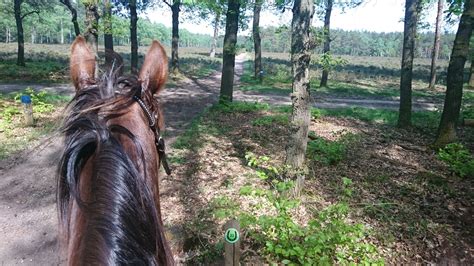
[154, 71]
[82, 66]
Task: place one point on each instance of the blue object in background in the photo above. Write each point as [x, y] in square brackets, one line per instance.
[25, 99]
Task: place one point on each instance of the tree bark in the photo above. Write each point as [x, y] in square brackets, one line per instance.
[92, 23]
[453, 98]
[62, 32]
[257, 40]
[108, 38]
[437, 39]
[327, 40]
[303, 11]
[73, 11]
[19, 28]
[471, 77]
[175, 8]
[229, 50]
[409, 35]
[212, 54]
[33, 34]
[133, 35]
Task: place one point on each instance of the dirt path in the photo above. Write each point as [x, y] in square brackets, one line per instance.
[28, 222]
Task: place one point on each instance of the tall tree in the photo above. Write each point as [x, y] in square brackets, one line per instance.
[19, 16]
[175, 6]
[327, 39]
[409, 35]
[455, 79]
[206, 10]
[229, 50]
[257, 41]
[108, 37]
[217, 21]
[437, 39]
[73, 11]
[133, 35]
[303, 11]
[92, 23]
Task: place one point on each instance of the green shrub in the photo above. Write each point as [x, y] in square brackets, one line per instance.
[329, 152]
[327, 238]
[459, 159]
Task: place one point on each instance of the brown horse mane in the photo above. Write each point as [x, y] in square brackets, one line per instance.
[123, 224]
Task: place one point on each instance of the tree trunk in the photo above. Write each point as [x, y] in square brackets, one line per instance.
[471, 78]
[409, 35]
[257, 40]
[214, 37]
[453, 98]
[92, 22]
[229, 50]
[33, 34]
[327, 41]
[108, 38]
[435, 54]
[303, 11]
[91, 32]
[73, 11]
[62, 32]
[19, 29]
[133, 35]
[175, 8]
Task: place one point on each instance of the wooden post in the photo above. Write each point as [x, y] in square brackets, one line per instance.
[232, 243]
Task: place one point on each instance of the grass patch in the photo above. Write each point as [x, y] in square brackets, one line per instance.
[49, 71]
[198, 66]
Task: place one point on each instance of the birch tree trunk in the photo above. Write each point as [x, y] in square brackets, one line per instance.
[212, 54]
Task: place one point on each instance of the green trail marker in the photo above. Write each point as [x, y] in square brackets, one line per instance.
[232, 235]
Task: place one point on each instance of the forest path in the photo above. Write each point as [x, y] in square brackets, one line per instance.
[28, 218]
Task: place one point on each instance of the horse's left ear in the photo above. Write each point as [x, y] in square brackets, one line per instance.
[154, 71]
[82, 66]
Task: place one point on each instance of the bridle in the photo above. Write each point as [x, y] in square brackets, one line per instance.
[159, 141]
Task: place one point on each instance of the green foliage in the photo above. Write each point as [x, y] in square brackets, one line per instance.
[328, 62]
[327, 238]
[330, 152]
[459, 159]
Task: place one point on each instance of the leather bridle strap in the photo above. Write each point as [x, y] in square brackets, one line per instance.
[159, 141]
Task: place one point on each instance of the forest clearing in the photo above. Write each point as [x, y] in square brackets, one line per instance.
[375, 183]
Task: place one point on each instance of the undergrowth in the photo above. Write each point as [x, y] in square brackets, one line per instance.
[327, 238]
[459, 159]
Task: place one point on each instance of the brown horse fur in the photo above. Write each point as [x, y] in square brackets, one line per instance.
[108, 195]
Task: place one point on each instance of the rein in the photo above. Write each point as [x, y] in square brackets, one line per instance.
[159, 141]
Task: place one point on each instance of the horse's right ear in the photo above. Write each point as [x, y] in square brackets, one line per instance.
[82, 66]
[154, 71]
